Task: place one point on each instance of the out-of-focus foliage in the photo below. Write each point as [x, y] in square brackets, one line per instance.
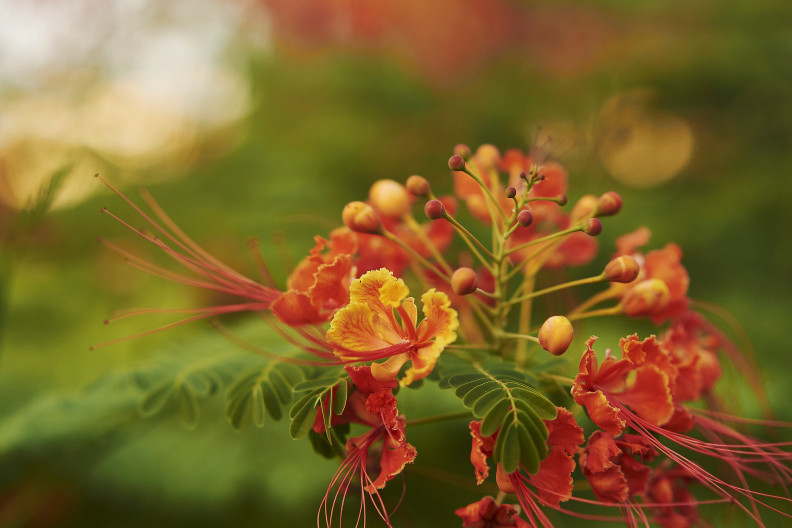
[284, 125]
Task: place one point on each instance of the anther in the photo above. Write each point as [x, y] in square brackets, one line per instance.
[464, 281]
[434, 209]
[556, 335]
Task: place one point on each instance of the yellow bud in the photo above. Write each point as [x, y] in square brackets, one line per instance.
[487, 156]
[622, 269]
[464, 281]
[584, 208]
[556, 334]
[417, 185]
[647, 298]
[361, 218]
[390, 198]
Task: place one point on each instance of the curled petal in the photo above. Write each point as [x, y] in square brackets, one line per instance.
[441, 321]
[331, 283]
[356, 327]
[553, 481]
[650, 395]
[601, 412]
[564, 433]
[480, 451]
[296, 309]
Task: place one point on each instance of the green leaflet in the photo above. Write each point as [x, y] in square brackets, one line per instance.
[501, 396]
[261, 391]
[328, 395]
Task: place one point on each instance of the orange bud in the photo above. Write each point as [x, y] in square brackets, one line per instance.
[585, 207]
[609, 204]
[646, 298]
[487, 156]
[462, 150]
[361, 217]
[464, 281]
[510, 192]
[418, 186]
[434, 209]
[622, 269]
[390, 198]
[592, 227]
[556, 334]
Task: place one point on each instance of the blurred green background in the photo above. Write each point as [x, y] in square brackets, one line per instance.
[263, 119]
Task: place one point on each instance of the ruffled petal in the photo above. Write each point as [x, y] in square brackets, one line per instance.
[441, 321]
[601, 412]
[388, 369]
[564, 433]
[553, 481]
[650, 395]
[330, 289]
[295, 308]
[480, 451]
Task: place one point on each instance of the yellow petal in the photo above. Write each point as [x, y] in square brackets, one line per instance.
[441, 321]
[356, 327]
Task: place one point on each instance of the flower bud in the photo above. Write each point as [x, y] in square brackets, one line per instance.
[462, 150]
[525, 218]
[561, 200]
[488, 156]
[418, 186]
[592, 227]
[622, 269]
[434, 209]
[511, 192]
[556, 334]
[361, 218]
[585, 207]
[464, 281]
[456, 163]
[609, 204]
[646, 298]
[390, 198]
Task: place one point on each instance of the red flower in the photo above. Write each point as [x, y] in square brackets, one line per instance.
[486, 513]
[611, 468]
[371, 404]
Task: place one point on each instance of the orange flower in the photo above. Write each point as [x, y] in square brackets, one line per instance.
[367, 328]
[611, 469]
[320, 283]
[599, 387]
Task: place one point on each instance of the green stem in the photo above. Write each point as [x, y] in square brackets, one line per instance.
[440, 418]
[544, 239]
[551, 289]
[468, 236]
[614, 310]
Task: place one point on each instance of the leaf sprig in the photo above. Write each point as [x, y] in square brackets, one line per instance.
[500, 395]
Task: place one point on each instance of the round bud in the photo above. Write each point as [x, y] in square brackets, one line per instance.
[390, 198]
[562, 200]
[646, 298]
[464, 281]
[609, 204]
[592, 227]
[361, 218]
[511, 192]
[488, 156]
[585, 207]
[350, 210]
[456, 163]
[418, 186]
[525, 218]
[434, 209]
[622, 269]
[556, 334]
[462, 150]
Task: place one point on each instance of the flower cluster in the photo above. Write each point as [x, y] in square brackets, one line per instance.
[635, 434]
